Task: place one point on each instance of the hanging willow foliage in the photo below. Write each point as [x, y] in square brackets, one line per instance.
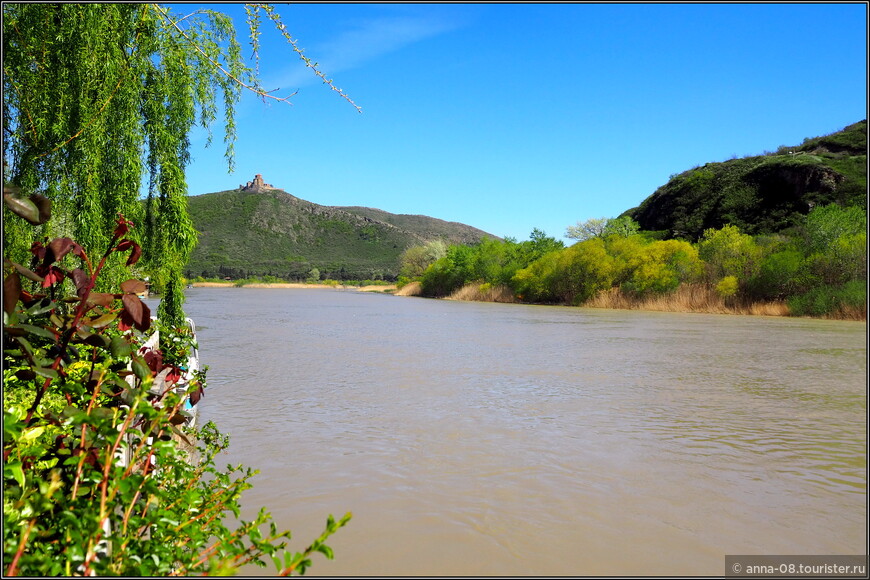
[99, 100]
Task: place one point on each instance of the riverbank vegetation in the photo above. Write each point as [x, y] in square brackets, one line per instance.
[103, 474]
[817, 268]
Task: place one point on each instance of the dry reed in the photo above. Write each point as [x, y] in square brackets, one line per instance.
[410, 289]
[686, 298]
[479, 292]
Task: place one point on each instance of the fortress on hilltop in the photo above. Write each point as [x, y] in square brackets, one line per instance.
[257, 185]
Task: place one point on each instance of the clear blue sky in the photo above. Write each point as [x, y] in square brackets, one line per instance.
[509, 117]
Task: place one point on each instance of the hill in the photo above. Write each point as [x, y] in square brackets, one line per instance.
[259, 230]
[761, 194]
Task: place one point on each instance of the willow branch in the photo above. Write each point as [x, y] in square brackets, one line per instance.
[262, 93]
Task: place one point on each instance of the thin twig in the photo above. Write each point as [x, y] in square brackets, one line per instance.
[11, 570]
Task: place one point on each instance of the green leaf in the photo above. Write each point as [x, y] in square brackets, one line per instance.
[103, 320]
[98, 340]
[44, 305]
[32, 433]
[180, 434]
[27, 273]
[38, 331]
[120, 348]
[140, 369]
[46, 372]
[14, 470]
[25, 345]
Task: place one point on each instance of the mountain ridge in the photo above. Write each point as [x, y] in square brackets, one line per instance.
[258, 229]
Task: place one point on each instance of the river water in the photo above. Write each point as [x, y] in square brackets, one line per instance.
[493, 439]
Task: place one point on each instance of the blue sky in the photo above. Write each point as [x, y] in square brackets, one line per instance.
[509, 117]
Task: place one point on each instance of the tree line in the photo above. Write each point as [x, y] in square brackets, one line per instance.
[817, 268]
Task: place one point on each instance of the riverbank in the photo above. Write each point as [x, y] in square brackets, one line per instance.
[696, 298]
[370, 288]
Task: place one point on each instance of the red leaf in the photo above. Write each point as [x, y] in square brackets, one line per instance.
[53, 276]
[123, 226]
[11, 292]
[101, 299]
[125, 323]
[44, 205]
[134, 255]
[174, 375]
[154, 359]
[138, 311]
[38, 250]
[128, 244]
[81, 280]
[196, 395]
[133, 286]
[60, 247]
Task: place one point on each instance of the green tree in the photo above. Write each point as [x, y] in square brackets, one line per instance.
[622, 226]
[825, 224]
[99, 98]
[414, 260]
[450, 272]
[835, 240]
[780, 274]
[588, 229]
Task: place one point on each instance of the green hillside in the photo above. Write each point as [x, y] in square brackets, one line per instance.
[761, 194]
[270, 232]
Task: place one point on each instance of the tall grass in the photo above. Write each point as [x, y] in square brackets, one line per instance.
[686, 298]
[483, 292]
[410, 289]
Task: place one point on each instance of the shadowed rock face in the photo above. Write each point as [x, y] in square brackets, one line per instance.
[257, 185]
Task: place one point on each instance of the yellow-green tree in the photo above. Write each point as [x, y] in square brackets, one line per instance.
[728, 252]
[572, 275]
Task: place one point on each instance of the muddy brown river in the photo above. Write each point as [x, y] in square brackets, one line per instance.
[490, 439]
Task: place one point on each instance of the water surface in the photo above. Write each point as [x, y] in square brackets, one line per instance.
[489, 439]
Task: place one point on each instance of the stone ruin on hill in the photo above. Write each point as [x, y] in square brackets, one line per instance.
[257, 185]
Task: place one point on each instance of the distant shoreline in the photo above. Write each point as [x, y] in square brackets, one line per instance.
[372, 288]
[689, 299]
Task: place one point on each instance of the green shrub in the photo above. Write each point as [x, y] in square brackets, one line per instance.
[780, 274]
[98, 478]
[828, 300]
